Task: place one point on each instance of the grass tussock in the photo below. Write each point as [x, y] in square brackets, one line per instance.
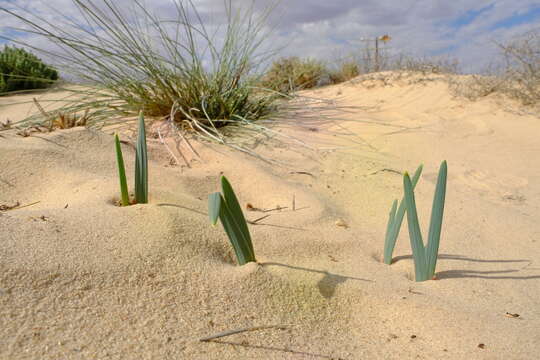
[130, 60]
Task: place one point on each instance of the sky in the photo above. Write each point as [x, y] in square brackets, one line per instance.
[335, 29]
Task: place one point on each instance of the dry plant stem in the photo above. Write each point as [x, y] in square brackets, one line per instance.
[17, 207]
[170, 151]
[233, 332]
[44, 113]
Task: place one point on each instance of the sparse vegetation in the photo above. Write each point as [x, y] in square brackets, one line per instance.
[21, 70]
[425, 65]
[522, 58]
[345, 71]
[518, 76]
[287, 75]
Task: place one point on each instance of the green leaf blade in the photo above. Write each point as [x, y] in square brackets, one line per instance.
[435, 225]
[124, 198]
[415, 234]
[236, 211]
[240, 243]
[214, 206]
[141, 164]
[393, 232]
[388, 248]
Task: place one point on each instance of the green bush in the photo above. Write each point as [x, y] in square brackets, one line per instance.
[293, 73]
[21, 70]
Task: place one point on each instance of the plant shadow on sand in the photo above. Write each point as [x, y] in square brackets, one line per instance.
[481, 274]
[273, 348]
[328, 284]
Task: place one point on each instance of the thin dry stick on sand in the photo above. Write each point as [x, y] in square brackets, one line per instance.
[233, 332]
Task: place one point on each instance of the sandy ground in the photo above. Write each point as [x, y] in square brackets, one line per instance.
[81, 278]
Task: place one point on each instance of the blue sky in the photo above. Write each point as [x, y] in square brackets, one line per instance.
[462, 29]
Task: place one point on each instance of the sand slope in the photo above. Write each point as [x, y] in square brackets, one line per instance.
[82, 278]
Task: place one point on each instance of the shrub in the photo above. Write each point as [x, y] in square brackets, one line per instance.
[425, 65]
[516, 76]
[290, 74]
[522, 58]
[346, 71]
[21, 70]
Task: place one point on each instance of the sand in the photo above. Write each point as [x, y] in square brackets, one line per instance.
[81, 278]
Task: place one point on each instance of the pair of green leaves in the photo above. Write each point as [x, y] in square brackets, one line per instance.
[425, 258]
[395, 220]
[225, 206]
[141, 167]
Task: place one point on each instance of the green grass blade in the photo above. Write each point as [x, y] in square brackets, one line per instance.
[415, 235]
[237, 237]
[236, 211]
[121, 173]
[214, 205]
[387, 242]
[141, 165]
[435, 225]
[392, 232]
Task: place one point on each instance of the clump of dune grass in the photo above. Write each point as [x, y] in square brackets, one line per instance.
[129, 59]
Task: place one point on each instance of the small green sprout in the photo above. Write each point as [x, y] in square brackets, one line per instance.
[226, 207]
[395, 220]
[425, 259]
[121, 173]
[141, 168]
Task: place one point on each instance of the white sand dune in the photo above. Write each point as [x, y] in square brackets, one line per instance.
[81, 278]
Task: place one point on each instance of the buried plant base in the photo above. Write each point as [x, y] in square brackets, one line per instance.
[226, 207]
[425, 258]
